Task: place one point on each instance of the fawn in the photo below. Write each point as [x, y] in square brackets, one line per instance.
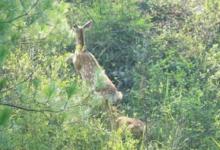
[135, 126]
[89, 69]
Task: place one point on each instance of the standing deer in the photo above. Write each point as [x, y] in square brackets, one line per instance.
[89, 69]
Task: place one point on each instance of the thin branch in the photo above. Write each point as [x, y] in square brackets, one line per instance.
[12, 87]
[45, 109]
[29, 109]
[22, 15]
[84, 102]
[87, 13]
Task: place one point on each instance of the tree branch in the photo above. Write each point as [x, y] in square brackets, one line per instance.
[12, 87]
[22, 15]
[29, 109]
[45, 109]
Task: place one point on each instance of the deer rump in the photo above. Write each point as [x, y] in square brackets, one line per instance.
[135, 126]
[90, 71]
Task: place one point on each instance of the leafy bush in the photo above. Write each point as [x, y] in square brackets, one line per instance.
[163, 55]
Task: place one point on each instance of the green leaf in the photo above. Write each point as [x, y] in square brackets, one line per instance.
[100, 80]
[4, 115]
[49, 89]
[3, 83]
[71, 89]
[217, 143]
[3, 53]
[36, 83]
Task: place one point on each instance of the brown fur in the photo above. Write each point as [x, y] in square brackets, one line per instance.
[87, 66]
[135, 126]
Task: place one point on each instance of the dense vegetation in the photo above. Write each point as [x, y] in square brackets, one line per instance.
[164, 55]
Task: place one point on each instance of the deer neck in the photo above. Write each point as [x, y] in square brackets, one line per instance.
[80, 48]
[80, 44]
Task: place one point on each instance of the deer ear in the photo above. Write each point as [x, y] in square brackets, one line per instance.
[87, 24]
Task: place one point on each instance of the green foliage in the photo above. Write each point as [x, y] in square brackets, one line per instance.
[71, 89]
[3, 54]
[3, 82]
[163, 55]
[117, 34]
[4, 115]
[49, 89]
[100, 79]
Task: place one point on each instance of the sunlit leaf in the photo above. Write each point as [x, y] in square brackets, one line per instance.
[49, 89]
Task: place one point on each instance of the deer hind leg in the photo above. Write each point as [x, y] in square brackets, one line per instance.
[110, 114]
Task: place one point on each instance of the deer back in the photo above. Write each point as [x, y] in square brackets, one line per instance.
[135, 126]
[86, 65]
[90, 71]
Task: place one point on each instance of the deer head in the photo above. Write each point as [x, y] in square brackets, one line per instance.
[79, 33]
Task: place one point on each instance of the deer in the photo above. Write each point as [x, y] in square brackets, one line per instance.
[90, 70]
[135, 126]
[122, 122]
